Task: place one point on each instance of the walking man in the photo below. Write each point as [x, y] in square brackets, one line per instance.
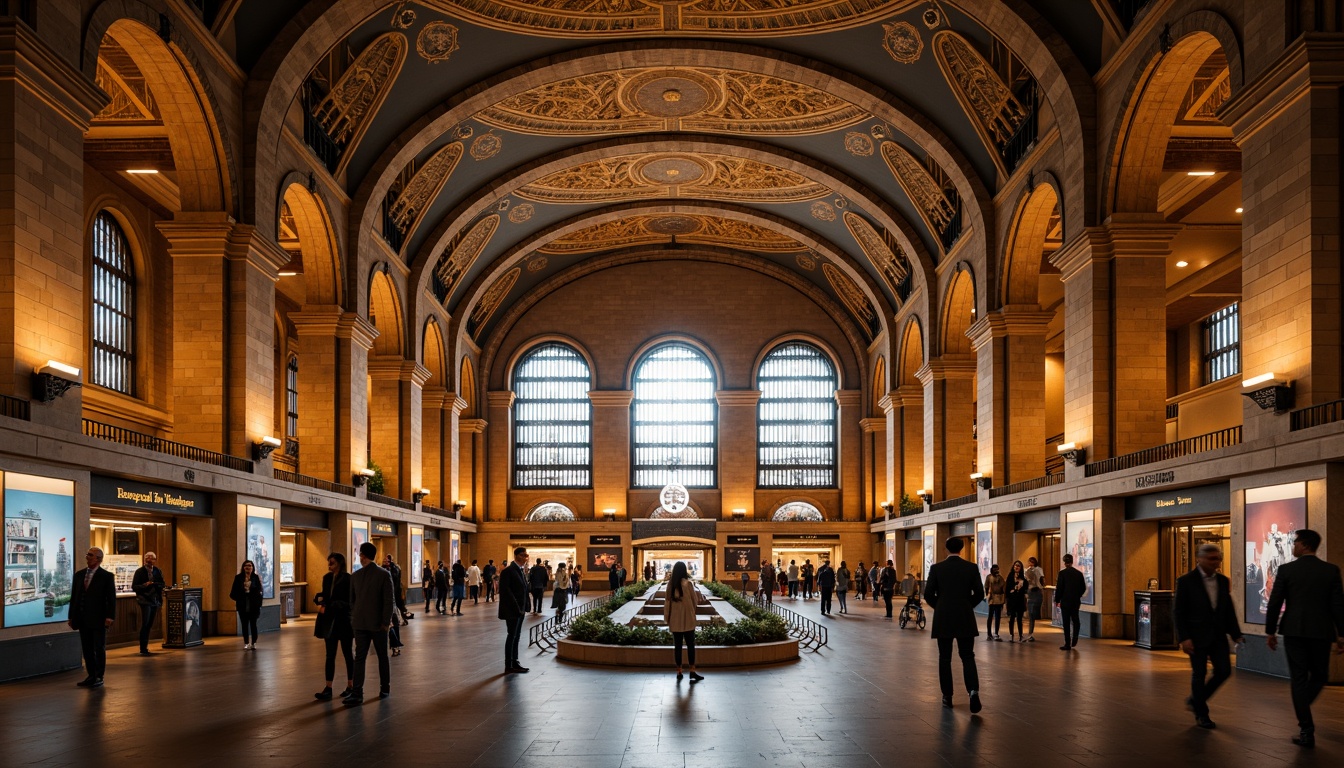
[537, 580]
[768, 582]
[474, 582]
[874, 574]
[826, 581]
[887, 585]
[793, 579]
[488, 575]
[148, 584]
[953, 589]
[1205, 619]
[373, 604]
[1069, 590]
[614, 576]
[93, 605]
[513, 587]
[441, 589]
[1312, 621]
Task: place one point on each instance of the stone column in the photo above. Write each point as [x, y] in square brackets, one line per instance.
[470, 470]
[849, 473]
[452, 439]
[737, 450]
[611, 450]
[435, 449]
[877, 482]
[949, 423]
[499, 443]
[395, 422]
[1010, 350]
[333, 391]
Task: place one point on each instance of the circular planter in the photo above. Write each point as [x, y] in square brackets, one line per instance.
[661, 655]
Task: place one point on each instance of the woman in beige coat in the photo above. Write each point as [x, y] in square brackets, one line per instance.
[679, 605]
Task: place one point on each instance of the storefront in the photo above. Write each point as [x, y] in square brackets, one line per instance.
[1036, 534]
[383, 534]
[305, 542]
[800, 548]
[1173, 525]
[549, 548]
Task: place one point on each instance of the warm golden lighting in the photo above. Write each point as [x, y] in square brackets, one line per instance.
[1182, 264]
[1238, 210]
[1066, 447]
[142, 171]
[1200, 173]
[1263, 378]
[671, 95]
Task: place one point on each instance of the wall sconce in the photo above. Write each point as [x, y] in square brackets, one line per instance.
[458, 506]
[924, 495]
[981, 482]
[54, 380]
[362, 477]
[1267, 391]
[419, 495]
[610, 514]
[263, 447]
[739, 513]
[1072, 453]
[887, 506]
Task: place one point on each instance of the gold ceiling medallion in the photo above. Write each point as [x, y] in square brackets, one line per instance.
[858, 144]
[685, 228]
[493, 297]
[486, 146]
[673, 99]
[822, 211]
[521, 213]
[986, 99]
[436, 42]
[538, 264]
[806, 261]
[350, 105]
[461, 256]
[588, 18]
[852, 297]
[403, 17]
[701, 176]
[410, 206]
[891, 263]
[934, 205]
[902, 41]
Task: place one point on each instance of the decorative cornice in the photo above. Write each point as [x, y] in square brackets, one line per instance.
[1010, 320]
[947, 367]
[887, 403]
[433, 398]
[471, 426]
[741, 397]
[873, 424]
[26, 60]
[458, 404]
[1311, 61]
[396, 369]
[499, 398]
[1123, 236]
[849, 398]
[611, 398]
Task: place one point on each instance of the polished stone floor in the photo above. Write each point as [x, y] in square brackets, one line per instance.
[869, 699]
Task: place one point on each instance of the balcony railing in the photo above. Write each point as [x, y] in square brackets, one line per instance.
[392, 501]
[392, 231]
[950, 503]
[432, 511]
[949, 235]
[14, 408]
[115, 434]
[1316, 415]
[327, 149]
[1020, 144]
[1188, 447]
[313, 482]
[1034, 484]
[1128, 10]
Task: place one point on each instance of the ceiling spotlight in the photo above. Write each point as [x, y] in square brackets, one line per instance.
[1238, 210]
[1182, 264]
[142, 171]
[1200, 173]
[288, 273]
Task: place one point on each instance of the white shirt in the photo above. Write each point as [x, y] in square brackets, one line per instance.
[1035, 577]
[473, 576]
[1210, 586]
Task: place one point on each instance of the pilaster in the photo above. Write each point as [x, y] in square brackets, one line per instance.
[849, 473]
[499, 443]
[949, 424]
[737, 449]
[1010, 427]
[611, 449]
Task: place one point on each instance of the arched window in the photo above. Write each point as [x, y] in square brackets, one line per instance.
[675, 420]
[292, 397]
[550, 512]
[552, 419]
[113, 288]
[795, 445]
[798, 511]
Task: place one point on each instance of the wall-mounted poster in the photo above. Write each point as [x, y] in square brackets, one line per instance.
[604, 558]
[454, 548]
[1272, 514]
[928, 553]
[891, 549]
[742, 558]
[359, 533]
[984, 548]
[39, 533]
[261, 547]
[1078, 537]
[417, 561]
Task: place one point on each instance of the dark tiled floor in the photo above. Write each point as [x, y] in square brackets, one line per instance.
[869, 699]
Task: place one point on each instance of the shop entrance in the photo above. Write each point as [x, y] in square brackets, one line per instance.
[1181, 539]
[663, 560]
[781, 554]
[550, 553]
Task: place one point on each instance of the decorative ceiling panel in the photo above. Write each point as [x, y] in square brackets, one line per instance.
[690, 175]
[684, 228]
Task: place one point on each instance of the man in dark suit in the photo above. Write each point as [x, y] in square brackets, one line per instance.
[372, 604]
[93, 605]
[953, 589]
[1313, 620]
[1069, 591]
[148, 584]
[513, 605]
[1205, 619]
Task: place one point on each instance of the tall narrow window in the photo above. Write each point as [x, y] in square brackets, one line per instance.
[795, 445]
[292, 397]
[113, 287]
[1222, 344]
[675, 420]
[552, 420]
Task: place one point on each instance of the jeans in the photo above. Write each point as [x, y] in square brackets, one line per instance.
[966, 650]
[683, 637]
[147, 615]
[93, 641]
[1034, 599]
[825, 599]
[1201, 690]
[886, 596]
[841, 595]
[793, 589]
[490, 591]
[441, 604]
[248, 621]
[363, 637]
[992, 621]
[807, 588]
[1069, 618]
[514, 628]
[475, 594]
[1308, 670]
[344, 644]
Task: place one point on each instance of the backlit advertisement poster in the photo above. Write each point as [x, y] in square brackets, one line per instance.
[417, 562]
[39, 532]
[261, 547]
[742, 558]
[603, 558]
[984, 548]
[928, 554]
[454, 548]
[1272, 514]
[359, 533]
[1078, 538]
[891, 548]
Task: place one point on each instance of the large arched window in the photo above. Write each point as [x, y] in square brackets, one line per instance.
[551, 512]
[675, 424]
[113, 289]
[552, 419]
[292, 398]
[795, 445]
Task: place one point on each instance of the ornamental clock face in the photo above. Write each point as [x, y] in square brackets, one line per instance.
[674, 498]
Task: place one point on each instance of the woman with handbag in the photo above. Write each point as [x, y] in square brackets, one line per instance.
[995, 596]
[1015, 591]
[560, 597]
[246, 597]
[679, 603]
[333, 623]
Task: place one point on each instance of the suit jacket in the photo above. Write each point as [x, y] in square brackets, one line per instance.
[1315, 598]
[372, 599]
[334, 621]
[537, 578]
[147, 584]
[89, 608]
[512, 592]
[826, 577]
[441, 579]
[1070, 588]
[1197, 619]
[953, 589]
[246, 601]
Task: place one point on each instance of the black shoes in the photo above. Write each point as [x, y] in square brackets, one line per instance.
[516, 668]
[1305, 740]
[323, 695]
[975, 703]
[146, 653]
[354, 700]
[1064, 647]
[90, 682]
[348, 692]
[696, 677]
[1203, 721]
[947, 702]
[384, 694]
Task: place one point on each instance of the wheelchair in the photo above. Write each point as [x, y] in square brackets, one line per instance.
[912, 612]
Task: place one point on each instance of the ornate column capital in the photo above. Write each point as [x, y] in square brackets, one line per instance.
[611, 398]
[947, 367]
[500, 398]
[1010, 320]
[746, 397]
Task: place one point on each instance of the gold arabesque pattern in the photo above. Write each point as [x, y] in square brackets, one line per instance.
[702, 176]
[891, 263]
[494, 296]
[424, 186]
[686, 228]
[459, 258]
[852, 297]
[934, 205]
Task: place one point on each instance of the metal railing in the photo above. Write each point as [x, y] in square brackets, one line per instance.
[810, 635]
[313, 482]
[327, 149]
[1034, 484]
[1223, 438]
[950, 503]
[1128, 10]
[14, 408]
[467, 515]
[392, 501]
[392, 232]
[546, 635]
[1020, 144]
[115, 434]
[952, 232]
[1316, 415]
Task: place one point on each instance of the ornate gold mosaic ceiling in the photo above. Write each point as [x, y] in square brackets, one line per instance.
[673, 175]
[684, 228]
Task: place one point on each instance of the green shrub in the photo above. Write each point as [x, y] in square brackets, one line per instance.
[759, 626]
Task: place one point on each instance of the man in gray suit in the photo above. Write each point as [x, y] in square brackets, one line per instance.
[372, 601]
